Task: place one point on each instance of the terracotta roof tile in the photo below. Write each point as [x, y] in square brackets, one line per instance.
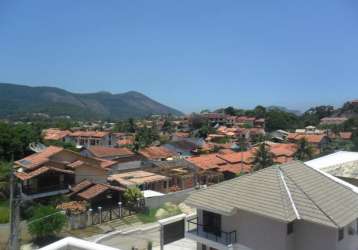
[93, 191]
[55, 134]
[38, 159]
[156, 153]
[100, 151]
[26, 176]
[81, 185]
[97, 134]
[208, 161]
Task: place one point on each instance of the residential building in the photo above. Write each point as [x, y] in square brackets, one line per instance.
[283, 207]
[109, 153]
[184, 174]
[55, 134]
[91, 138]
[96, 194]
[51, 172]
[333, 120]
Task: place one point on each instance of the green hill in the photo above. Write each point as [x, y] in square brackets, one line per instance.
[17, 101]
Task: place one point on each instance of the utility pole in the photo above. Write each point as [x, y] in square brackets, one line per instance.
[15, 201]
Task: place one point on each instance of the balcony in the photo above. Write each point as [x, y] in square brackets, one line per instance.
[215, 235]
[28, 192]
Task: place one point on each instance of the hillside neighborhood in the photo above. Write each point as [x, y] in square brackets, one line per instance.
[230, 172]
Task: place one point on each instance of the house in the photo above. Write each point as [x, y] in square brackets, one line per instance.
[184, 175]
[91, 138]
[285, 207]
[319, 141]
[283, 152]
[157, 153]
[51, 171]
[124, 158]
[142, 179]
[55, 134]
[96, 194]
[333, 120]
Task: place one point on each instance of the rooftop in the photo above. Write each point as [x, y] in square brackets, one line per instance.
[136, 178]
[289, 192]
[100, 151]
[156, 152]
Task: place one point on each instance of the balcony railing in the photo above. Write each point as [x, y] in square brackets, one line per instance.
[36, 190]
[210, 233]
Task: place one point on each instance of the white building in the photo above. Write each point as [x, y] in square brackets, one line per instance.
[286, 207]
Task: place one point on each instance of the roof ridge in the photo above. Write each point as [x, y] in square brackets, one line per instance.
[289, 193]
[308, 197]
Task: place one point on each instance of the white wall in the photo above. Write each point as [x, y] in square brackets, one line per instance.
[262, 233]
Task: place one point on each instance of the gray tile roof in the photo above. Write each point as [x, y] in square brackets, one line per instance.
[288, 192]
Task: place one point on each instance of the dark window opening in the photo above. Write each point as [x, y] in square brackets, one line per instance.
[289, 228]
[212, 223]
[203, 247]
[340, 234]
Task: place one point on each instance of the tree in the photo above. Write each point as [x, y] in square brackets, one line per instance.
[263, 157]
[14, 140]
[46, 222]
[278, 119]
[131, 196]
[145, 137]
[230, 111]
[167, 126]
[305, 151]
[260, 111]
[5, 171]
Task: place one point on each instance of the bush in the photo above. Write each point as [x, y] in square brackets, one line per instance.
[131, 195]
[46, 222]
[4, 212]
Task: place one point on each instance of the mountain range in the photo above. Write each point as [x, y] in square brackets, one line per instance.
[18, 101]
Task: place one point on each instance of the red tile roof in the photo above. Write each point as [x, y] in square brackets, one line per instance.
[236, 157]
[81, 185]
[55, 134]
[93, 191]
[208, 161]
[38, 159]
[156, 153]
[97, 134]
[100, 151]
[345, 135]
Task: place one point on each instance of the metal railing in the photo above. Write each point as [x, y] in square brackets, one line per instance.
[211, 233]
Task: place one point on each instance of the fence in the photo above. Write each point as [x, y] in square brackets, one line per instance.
[102, 215]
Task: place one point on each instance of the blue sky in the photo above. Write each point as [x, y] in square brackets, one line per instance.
[190, 54]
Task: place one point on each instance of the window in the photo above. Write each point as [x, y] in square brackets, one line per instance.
[203, 247]
[340, 234]
[289, 228]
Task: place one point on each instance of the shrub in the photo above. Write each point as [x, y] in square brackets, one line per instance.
[46, 221]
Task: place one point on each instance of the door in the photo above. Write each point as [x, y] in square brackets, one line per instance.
[212, 223]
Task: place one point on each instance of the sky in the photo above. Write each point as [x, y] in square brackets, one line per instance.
[188, 54]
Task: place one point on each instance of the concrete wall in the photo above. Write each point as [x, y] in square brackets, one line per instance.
[262, 233]
[97, 175]
[176, 198]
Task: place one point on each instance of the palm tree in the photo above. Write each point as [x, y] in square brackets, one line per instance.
[263, 157]
[305, 151]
